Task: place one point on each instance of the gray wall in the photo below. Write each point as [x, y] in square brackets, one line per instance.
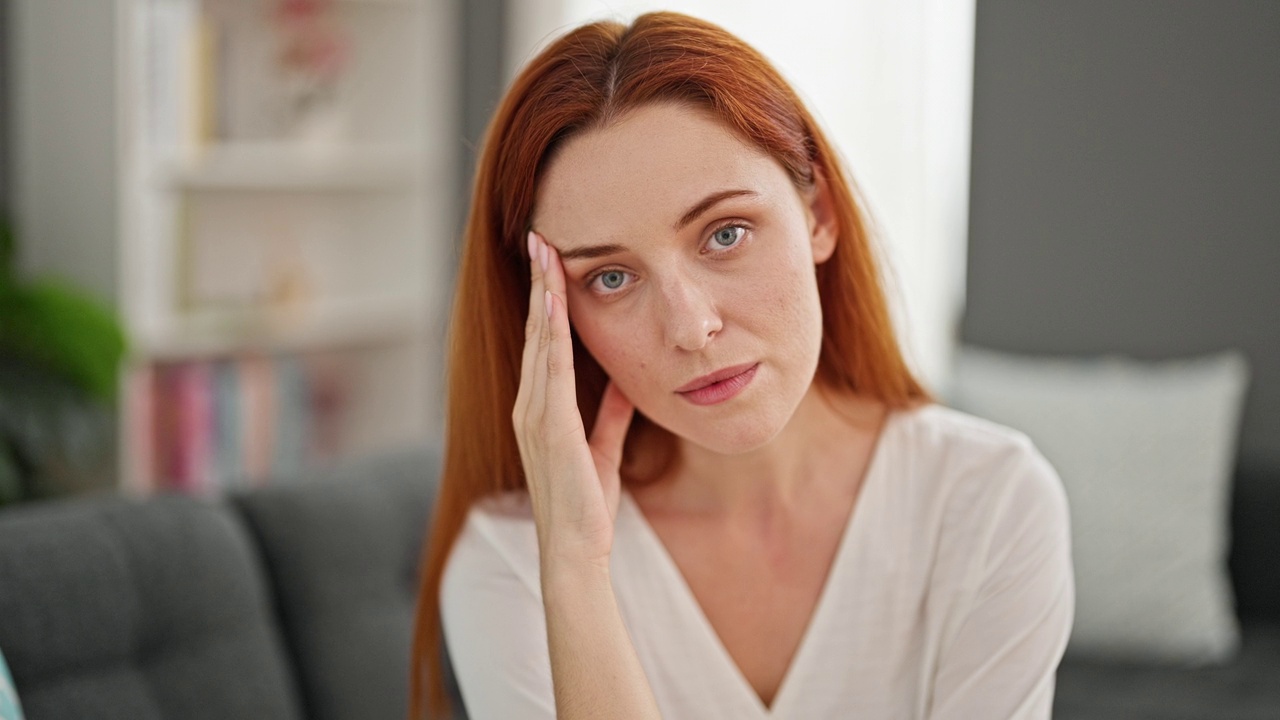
[483, 33]
[1126, 186]
[4, 111]
[483, 57]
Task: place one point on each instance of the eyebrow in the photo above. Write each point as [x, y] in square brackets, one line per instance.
[590, 252]
[707, 203]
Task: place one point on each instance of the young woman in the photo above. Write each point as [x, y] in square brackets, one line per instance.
[688, 474]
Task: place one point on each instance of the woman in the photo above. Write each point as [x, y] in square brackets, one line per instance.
[688, 474]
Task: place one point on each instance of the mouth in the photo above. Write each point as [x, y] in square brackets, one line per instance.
[718, 386]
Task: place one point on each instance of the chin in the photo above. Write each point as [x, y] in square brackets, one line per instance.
[735, 436]
[740, 430]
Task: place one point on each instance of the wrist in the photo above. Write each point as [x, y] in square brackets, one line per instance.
[572, 576]
[572, 552]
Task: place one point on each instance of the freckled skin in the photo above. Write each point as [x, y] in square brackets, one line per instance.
[684, 309]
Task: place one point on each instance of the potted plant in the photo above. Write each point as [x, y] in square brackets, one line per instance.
[60, 352]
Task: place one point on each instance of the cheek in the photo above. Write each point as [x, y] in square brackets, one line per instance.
[782, 292]
[613, 343]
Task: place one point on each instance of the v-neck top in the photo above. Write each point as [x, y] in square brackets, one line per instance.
[950, 595]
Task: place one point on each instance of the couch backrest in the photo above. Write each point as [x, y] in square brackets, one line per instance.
[1255, 543]
[342, 552]
[111, 607]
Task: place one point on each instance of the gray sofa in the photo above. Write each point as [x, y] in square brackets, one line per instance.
[296, 601]
[293, 601]
[1248, 687]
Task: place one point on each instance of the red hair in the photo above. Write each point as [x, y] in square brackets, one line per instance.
[584, 81]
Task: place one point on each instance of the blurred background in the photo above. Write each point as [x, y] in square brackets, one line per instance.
[231, 227]
[269, 192]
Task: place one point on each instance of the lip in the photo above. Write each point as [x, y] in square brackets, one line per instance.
[715, 377]
[719, 386]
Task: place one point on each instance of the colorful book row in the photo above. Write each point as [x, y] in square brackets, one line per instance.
[210, 425]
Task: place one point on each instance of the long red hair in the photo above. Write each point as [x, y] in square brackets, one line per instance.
[583, 81]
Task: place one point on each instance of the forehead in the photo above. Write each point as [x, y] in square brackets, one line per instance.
[646, 169]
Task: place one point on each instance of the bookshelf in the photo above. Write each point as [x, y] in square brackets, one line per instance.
[273, 212]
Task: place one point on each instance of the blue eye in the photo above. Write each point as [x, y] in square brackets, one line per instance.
[609, 282]
[613, 279]
[727, 236]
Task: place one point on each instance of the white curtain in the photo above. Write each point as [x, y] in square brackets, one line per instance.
[891, 82]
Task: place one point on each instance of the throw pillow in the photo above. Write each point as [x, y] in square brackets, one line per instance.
[9, 707]
[1146, 452]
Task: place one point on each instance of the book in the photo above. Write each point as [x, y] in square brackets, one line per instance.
[228, 455]
[164, 430]
[258, 409]
[140, 416]
[293, 417]
[194, 400]
[210, 425]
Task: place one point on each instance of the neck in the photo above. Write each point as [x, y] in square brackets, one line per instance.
[827, 439]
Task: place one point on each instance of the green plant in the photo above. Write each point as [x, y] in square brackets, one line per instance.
[60, 352]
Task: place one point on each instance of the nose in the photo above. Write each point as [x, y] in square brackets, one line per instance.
[690, 318]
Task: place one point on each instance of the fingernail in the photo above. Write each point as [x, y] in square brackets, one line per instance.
[542, 256]
[533, 245]
[547, 297]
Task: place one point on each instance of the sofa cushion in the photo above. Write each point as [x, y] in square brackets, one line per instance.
[115, 608]
[342, 548]
[1145, 451]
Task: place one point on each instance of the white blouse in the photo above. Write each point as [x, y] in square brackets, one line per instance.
[951, 595]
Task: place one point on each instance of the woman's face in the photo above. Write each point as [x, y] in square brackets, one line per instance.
[686, 252]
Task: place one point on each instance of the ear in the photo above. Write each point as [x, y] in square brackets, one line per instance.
[824, 228]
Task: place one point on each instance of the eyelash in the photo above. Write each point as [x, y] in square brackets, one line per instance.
[733, 224]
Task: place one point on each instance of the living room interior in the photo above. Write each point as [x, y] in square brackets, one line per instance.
[228, 232]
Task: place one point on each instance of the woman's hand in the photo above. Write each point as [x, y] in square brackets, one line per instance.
[573, 483]
[575, 488]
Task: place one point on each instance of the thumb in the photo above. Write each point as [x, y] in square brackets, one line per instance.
[612, 421]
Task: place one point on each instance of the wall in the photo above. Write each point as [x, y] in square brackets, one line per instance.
[4, 110]
[1125, 191]
[51, 82]
[483, 63]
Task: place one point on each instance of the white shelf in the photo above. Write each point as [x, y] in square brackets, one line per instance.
[113, 100]
[291, 166]
[346, 323]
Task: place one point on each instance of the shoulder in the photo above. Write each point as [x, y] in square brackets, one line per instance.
[498, 545]
[997, 518]
[977, 470]
[960, 447]
[941, 431]
[491, 612]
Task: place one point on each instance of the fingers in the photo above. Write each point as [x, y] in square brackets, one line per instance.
[555, 380]
[612, 421]
[560, 350]
[538, 306]
[547, 380]
[534, 325]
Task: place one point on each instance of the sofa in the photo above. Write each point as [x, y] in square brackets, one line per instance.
[1245, 688]
[294, 600]
[1175, 544]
